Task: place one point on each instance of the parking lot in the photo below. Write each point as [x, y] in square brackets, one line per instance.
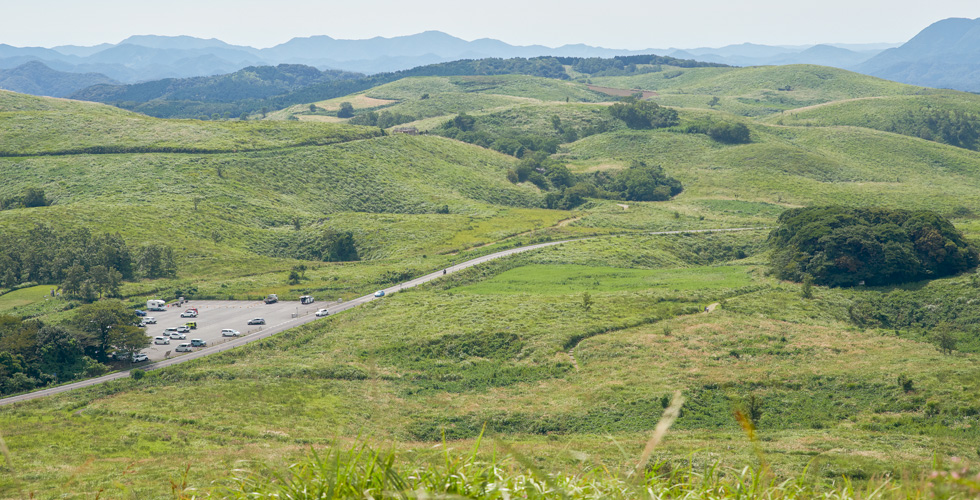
[215, 315]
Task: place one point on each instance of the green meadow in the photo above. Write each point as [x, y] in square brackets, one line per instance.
[547, 371]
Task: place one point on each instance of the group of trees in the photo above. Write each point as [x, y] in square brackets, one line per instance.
[33, 197]
[34, 354]
[328, 245]
[721, 131]
[840, 246]
[86, 265]
[466, 128]
[640, 114]
[956, 127]
[384, 119]
[638, 182]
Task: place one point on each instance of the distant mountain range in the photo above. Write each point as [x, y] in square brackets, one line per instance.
[944, 55]
[37, 79]
[150, 57]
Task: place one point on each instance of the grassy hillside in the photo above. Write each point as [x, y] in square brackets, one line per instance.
[565, 357]
[37, 125]
[491, 347]
[761, 90]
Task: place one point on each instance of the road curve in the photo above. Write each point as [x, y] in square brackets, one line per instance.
[301, 320]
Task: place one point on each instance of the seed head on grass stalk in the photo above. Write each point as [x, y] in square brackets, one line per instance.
[670, 415]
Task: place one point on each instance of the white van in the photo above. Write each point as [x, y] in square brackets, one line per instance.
[185, 347]
[161, 340]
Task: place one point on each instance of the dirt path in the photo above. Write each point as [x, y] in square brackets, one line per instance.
[625, 207]
[711, 307]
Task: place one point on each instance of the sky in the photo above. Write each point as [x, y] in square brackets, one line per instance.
[621, 24]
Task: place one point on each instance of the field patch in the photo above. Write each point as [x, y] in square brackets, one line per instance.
[24, 296]
[566, 279]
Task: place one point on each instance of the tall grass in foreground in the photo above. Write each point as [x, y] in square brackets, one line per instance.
[362, 472]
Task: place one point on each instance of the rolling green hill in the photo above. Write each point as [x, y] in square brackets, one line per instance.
[565, 357]
[757, 91]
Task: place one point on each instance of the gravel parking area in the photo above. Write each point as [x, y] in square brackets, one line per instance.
[215, 315]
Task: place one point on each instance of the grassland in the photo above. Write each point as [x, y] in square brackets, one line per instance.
[758, 91]
[512, 348]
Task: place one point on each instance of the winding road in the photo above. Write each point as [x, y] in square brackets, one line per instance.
[301, 320]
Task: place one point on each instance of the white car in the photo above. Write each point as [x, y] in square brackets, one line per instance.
[379, 293]
[183, 329]
[185, 347]
[161, 340]
[150, 320]
[322, 312]
[228, 332]
[140, 357]
[170, 331]
[178, 336]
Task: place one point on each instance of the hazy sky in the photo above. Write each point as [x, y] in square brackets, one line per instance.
[630, 24]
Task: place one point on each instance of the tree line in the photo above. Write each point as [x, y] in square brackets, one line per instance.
[86, 265]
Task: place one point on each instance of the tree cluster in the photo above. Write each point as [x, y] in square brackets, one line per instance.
[842, 246]
[327, 246]
[34, 354]
[639, 114]
[33, 197]
[86, 265]
[721, 131]
[956, 128]
[384, 119]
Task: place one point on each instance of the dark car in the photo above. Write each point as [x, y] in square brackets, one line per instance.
[140, 313]
[256, 321]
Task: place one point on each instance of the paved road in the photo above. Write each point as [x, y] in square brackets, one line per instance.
[306, 315]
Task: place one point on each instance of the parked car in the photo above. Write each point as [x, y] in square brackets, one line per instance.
[178, 336]
[170, 330]
[150, 320]
[228, 332]
[161, 340]
[256, 321]
[191, 324]
[379, 293]
[183, 329]
[140, 357]
[198, 343]
[322, 312]
[272, 298]
[190, 313]
[306, 299]
[185, 347]
[140, 313]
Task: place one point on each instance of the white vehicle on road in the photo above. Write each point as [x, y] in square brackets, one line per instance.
[379, 293]
[228, 332]
[140, 357]
[322, 312]
[150, 320]
[156, 305]
[185, 347]
[178, 336]
[161, 340]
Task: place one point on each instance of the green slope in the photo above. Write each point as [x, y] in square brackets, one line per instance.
[756, 91]
[34, 125]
